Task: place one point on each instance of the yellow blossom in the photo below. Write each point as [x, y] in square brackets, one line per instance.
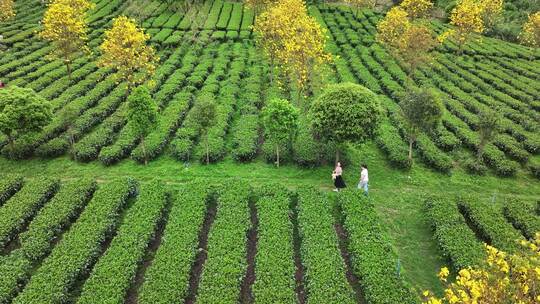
[7, 10]
[125, 50]
[64, 25]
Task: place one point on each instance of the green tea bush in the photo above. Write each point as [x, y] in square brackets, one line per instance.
[490, 224]
[457, 241]
[171, 267]
[9, 185]
[22, 206]
[324, 268]
[521, 215]
[79, 247]
[113, 274]
[373, 258]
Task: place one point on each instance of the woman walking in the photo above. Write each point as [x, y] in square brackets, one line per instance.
[339, 183]
[364, 179]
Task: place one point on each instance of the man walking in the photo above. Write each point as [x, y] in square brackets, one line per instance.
[364, 179]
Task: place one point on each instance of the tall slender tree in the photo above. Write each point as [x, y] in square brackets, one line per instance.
[125, 49]
[280, 120]
[7, 10]
[471, 18]
[530, 34]
[407, 35]
[205, 115]
[295, 40]
[488, 127]
[64, 25]
[421, 110]
[142, 115]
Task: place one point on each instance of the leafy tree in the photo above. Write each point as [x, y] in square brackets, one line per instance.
[421, 109]
[22, 111]
[501, 278]
[292, 38]
[416, 8]
[68, 116]
[7, 10]
[409, 41]
[345, 112]
[280, 120]
[125, 50]
[64, 25]
[531, 31]
[488, 127]
[142, 115]
[470, 18]
[359, 4]
[205, 114]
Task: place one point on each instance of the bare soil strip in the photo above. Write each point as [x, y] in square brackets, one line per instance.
[299, 273]
[246, 293]
[133, 292]
[200, 259]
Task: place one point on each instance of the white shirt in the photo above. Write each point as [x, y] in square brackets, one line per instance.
[364, 176]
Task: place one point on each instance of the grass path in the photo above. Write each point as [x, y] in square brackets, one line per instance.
[399, 195]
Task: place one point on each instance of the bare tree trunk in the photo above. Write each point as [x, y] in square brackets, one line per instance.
[271, 71]
[480, 151]
[144, 151]
[68, 66]
[277, 155]
[11, 145]
[207, 151]
[71, 142]
[128, 89]
[411, 142]
[337, 154]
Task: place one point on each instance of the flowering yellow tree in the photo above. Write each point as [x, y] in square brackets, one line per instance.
[393, 26]
[531, 31]
[417, 8]
[359, 4]
[470, 18]
[125, 50]
[64, 25]
[292, 38]
[503, 279]
[409, 41]
[7, 10]
[491, 11]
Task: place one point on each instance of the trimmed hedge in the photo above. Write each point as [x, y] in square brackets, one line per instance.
[389, 140]
[79, 247]
[113, 274]
[373, 258]
[9, 185]
[226, 262]
[491, 225]
[245, 138]
[456, 240]
[274, 264]
[324, 268]
[18, 210]
[37, 241]
[170, 268]
[522, 216]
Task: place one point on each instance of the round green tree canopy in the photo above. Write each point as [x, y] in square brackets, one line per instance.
[346, 112]
[22, 110]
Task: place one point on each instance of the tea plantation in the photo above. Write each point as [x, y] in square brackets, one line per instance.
[83, 220]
